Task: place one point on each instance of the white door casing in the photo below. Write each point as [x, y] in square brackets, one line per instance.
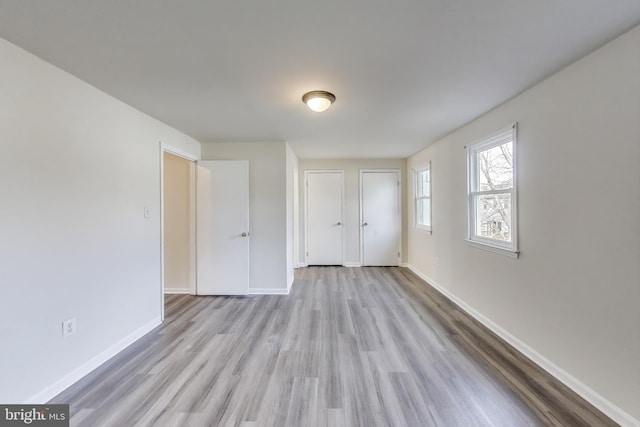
[222, 227]
[380, 217]
[323, 217]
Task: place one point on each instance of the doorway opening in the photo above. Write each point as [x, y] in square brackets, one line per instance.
[178, 222]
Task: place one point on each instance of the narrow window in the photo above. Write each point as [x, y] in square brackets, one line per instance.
[422, 197]
[491, 172]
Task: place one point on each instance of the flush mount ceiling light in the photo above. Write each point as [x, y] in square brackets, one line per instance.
[318, 100]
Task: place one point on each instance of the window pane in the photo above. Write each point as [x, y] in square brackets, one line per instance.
[426, 176]
[422, 184]
[423, 212]
[495, 168]
[493, 216]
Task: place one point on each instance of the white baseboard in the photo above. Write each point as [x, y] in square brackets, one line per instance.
[177, 291]
[268, 291]
[353, 264]
[81, 371]
[604, 405]
[302, 265]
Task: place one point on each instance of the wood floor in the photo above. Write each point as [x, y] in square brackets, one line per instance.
[348, 347]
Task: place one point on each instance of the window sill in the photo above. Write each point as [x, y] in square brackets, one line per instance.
[494, 249]
[422, 229]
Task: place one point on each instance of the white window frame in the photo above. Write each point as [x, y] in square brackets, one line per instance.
[416, 174]
[473, 238]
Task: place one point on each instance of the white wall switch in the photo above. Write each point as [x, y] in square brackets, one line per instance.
[147, 212]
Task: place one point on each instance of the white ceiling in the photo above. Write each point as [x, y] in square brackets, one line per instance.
[404, 72]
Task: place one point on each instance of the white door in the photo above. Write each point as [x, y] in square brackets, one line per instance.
[323, 207]
[222, 227]
[380, 215]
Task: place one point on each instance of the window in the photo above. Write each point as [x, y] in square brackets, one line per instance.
[492, 203]
[422, 197]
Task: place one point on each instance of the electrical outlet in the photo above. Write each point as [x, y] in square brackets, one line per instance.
[437, 260]
[69, 327]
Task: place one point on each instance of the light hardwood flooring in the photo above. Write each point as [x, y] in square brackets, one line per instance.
[348, 347]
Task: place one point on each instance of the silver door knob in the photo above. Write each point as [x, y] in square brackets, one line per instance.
[365, 224]
[244, 234]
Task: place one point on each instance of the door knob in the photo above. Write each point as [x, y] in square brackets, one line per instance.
[244, 234]
[365, 224]
[339, 223]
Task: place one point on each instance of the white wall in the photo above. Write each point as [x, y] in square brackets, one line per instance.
[267, 209]
[77, 168]
[351, 169]
[572, 298]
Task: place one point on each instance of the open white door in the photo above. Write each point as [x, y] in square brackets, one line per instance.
[380, 215]
[222, 227]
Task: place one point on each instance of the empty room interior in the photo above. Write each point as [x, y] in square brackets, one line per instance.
[321, 213]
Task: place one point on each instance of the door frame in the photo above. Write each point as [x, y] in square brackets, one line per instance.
[166, 148]
[398, 173]
[306, 210]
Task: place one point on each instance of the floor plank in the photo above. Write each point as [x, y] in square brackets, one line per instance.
[367, 347]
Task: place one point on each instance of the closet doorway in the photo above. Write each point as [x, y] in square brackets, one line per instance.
[178, 223]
